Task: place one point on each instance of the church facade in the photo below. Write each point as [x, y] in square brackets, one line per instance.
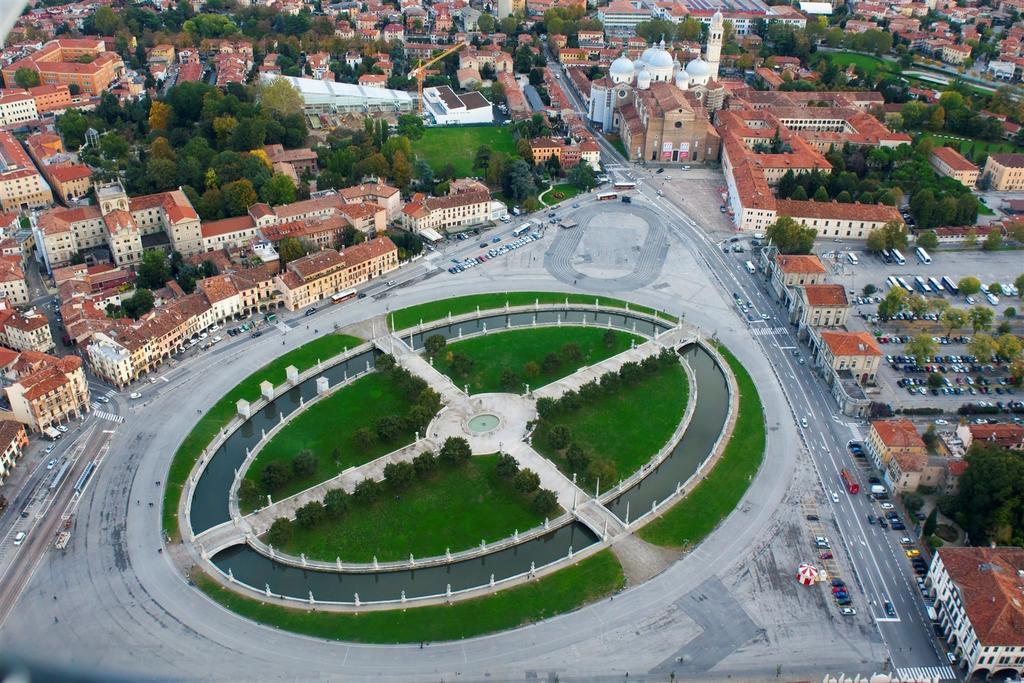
[660, 109]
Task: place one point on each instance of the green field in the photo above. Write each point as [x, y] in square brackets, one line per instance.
[457, 146]
[626, 428]
[696, 515]
[454, 508]
[565, 189]
[617, 144]
[435, 310]
[972, 148]
[866, 62]
[221, 413]
[513, 349]
[326, 429]
[564, 591]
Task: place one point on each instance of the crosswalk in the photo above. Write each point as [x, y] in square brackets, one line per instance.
[103, 415]
[769, 331]
[926, 673]
[111, 393]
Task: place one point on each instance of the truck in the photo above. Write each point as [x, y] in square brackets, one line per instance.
[849, 482]
[878, 490]
[62, 540]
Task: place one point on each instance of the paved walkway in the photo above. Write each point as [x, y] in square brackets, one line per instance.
[673, 337]
[550, 476]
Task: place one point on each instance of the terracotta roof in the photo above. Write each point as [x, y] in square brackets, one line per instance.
[1013, 160]
[956, 467]
[1006, 435]
[217, 288]
[10, 272]
[357, 192]
[850, 343]
[834, 210]
[826, 295]
[898, 433]
[953, 159]
[227, 226]
[910, 461]
[991, 583]
[69, 172]
[799, 264]
[9, 431]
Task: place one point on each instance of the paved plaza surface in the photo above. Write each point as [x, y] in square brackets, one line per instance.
[728, 608]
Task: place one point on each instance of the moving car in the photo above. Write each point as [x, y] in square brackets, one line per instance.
[134, 395]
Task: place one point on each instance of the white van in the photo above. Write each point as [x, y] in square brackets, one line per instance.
[750, 267]
[992, 299]
[19, 537]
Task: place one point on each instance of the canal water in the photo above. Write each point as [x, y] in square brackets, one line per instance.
[210, 502]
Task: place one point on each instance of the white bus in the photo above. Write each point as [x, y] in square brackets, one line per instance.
[521, 230]
[607, 196]
[750, 267]
[852, 258]
[624, 185]
[904, 285]
[898, 257]
[923, 256]
[891, 282]
[343, 295]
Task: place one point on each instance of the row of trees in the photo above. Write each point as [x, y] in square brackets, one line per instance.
[276, 475]
[423, 401]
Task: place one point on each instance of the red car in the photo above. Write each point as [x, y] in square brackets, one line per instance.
[826, 556]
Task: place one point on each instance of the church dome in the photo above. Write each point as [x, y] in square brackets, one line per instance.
[621, 70]
[698, 68]
[657, 57]
[643, 80]
[682, 80]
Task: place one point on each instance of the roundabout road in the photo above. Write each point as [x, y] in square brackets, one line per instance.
[122, 607]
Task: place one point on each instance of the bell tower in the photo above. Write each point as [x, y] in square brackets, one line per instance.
[714, 50]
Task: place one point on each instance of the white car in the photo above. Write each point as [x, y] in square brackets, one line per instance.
[848, 612]
[835, 496]
[214, 328]
[49, 449]
[887, 506]
[134, 395]
[62, 429]
[203, 336]
[50, 465]
[941, 422]
[103, 399]
[803, 422]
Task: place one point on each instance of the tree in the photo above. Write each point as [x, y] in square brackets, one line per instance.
[571, 353]
[72, 126]
[509, 379]
[274, 476]
[280, 532]
[1019, 284]
[279, 97]
[239, 196]
[291, 248]
[310, 514]
[921, 348]
[455, 451]
[969, 285]
[399, 475]
[531, 369]
[366, 491]
[160, 116]
[434, 344]
[981, 318]
[305, 463]
[954, 319]
[507, 466]
[791, 237]
[1009, 346]
[526, 481]
[363, 438]
[1010, 312]
[248, 494]
[461, 364]
[993, 242]
[935, 380]
[424, 463]
[928, 240]
[982, 345]
[987, 504]
[401, 170]
[336, 503]
[26, 77]
[545, 502]
[930, 523]
[582, 176]
[892, 303]
[138, 304]
[559, 436]
[278, 190]
[550, 363]
[913, 501]
[519, 180]
[153, 272]
[388, 428]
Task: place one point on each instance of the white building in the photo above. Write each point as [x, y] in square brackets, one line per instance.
[979, 602]
[447, 109]
[329, 96]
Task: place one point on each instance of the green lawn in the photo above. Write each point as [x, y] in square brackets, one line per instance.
[972, 148]
[567, 191]
[326, 429]
[617, 144]
[513, 349]
[457, 146]
[867, 62]
[224, 410]
[695, 516]
[564, 591]
[435, 310]
[627, 428]
[454, 509]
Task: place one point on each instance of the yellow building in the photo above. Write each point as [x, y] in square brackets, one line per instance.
[855, 352]
[13, 440]
[1004, 172]
[821, 306]
[949, 162]
[53, 391]
[324, 273]
[455, 210]
[84, 62]
[889, 437]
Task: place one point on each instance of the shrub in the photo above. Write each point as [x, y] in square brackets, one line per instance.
[630, 373]
[550, 363]
[544, 502]
[418, 417]
[366, 491]
[461, 364]
[577, 458]
[455, 451]
[424, 463]
[559, 436]
[571, 352]
[363, 439]
[310, 514]
[604, 470]
[274, 476]
[531, 370]
[509, 380]
[399, 475]
[526, 481]
[336, 503]
[590, 391]
[434, 344]
[388, 428]
[507, 467]
[305, 463]
[280, 532]
[547, 407]
[385, 362]
[248, 494]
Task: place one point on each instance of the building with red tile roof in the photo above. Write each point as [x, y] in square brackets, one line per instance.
[949, 162]
[322, 274]
[54, 391]
[61, 62]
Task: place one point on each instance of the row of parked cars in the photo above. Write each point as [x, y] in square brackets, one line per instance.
[473, 261]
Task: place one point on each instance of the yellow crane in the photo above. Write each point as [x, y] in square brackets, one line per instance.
[420, 72]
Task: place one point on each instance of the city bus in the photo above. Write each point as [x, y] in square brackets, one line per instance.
[921, 285]
[343, 295]
[891, 282]
[521, 230]
[936, 287]
[904, 285]
[624, 185]
[607, 197]
[849, 482]
[852, 258]
[950, 285]
[898, 257]
[923, 256]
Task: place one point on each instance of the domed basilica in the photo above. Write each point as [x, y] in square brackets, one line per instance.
[660, 109]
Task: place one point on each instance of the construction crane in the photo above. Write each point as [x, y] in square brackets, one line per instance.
[420, 72]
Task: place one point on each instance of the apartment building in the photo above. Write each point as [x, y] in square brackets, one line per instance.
[1004, 172]
[449, 213]
[13, 285]
[13, 440]
[889, 437]
[820, 305]
[792, 271]
[324, 273]
[978, 602]
[17, 106]
[855, 352]
[52, 391]
[84, 62]
[568, 154]
[385, 196]
[51, 98]
[24, 332]
[950, 163]
[22, 186]
[118, 223]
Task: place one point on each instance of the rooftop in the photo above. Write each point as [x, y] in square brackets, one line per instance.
[898, 433]
[991, 583]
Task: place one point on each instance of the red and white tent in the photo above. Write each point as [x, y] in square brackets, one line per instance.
[807, 574]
